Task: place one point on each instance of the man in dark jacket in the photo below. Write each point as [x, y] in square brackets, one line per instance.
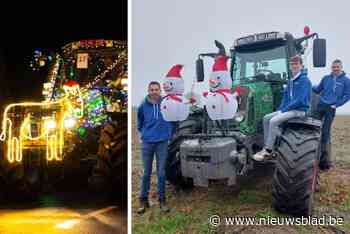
[295, 103]
[155, 134]
[334, 90]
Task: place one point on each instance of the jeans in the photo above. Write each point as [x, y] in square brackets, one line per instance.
[326, 114]
[272, 122]
[160, 150]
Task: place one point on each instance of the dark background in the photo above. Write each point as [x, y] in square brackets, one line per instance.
[26, 28]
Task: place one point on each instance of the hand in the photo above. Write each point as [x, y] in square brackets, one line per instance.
[192, 100]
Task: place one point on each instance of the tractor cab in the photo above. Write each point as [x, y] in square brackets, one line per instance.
[259, 69]
[97, 66]
[266, 62]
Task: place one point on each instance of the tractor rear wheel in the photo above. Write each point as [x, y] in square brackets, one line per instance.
[109, 175]
[296, 171]
[21, 183]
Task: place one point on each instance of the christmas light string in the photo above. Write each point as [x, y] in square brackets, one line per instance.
[54, 136]
[95, 110]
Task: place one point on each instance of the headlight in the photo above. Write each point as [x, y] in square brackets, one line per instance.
[239, 117]
[50, 124]
[69, 122]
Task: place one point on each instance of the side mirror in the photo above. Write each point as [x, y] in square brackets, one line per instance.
[200, 70]
[319, 52]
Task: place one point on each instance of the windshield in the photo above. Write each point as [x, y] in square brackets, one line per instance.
[267, 64]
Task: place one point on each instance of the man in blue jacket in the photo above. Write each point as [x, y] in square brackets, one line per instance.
[155, 133]
[334, 90]
[295, 103]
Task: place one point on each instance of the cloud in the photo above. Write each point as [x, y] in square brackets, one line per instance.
[169, 32]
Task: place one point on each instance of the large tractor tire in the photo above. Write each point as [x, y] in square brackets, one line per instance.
[33, 180]
[78, 161]
[109, 175]
[192, 125]
[296, 171]
[22, 181]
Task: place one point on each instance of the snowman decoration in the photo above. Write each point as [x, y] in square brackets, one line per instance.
[73, 93]
[220, 102]
[173, 106]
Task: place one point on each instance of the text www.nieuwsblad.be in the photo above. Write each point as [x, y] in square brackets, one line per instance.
[216, 220]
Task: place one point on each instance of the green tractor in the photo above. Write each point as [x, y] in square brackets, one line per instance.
[204, 151]
[77, 135]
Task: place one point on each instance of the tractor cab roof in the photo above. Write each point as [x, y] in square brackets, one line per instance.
[97, 46]
[261, 40]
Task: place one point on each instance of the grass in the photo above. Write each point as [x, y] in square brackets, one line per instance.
[248, 197]
[345, 205]
[176, 223]
[191, 211]
[346, 226]
[266, 213]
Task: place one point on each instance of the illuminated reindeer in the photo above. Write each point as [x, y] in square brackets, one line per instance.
[35, 125]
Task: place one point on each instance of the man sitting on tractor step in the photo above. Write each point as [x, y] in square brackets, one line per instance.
[334, 90]
[295, 103]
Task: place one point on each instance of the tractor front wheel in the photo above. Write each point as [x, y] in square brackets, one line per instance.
[192, 125]
[296, 171]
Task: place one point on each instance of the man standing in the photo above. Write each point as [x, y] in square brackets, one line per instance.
[295, 103]
[155, 133]
[334, 90]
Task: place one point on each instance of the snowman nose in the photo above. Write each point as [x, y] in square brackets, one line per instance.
[211, 81]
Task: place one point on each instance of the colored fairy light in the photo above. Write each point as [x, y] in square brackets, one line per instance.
[75, 106]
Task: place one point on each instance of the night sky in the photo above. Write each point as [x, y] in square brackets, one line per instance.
[46, 28]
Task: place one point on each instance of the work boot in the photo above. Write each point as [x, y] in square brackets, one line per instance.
[325, 168]
[260, 156]
[143, 206]
[325, 163]
[318, 184]
[163, 207]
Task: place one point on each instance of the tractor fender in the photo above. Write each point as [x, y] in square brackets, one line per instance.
[307, 122]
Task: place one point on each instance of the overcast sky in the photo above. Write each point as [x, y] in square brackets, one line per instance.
[168, 32]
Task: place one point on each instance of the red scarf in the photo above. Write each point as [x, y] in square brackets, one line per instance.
[174, 97]
[223, 92]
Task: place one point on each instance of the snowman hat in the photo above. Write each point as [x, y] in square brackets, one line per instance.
[175, 71]
[71, 83]
[220, 63]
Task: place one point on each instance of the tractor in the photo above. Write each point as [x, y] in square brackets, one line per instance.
[78, 131]
[203, 151]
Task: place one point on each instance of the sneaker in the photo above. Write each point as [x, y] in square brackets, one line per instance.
[143, 206]
[163, 207]
[260, 156]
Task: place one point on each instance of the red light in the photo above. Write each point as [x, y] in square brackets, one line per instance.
[306, 30]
